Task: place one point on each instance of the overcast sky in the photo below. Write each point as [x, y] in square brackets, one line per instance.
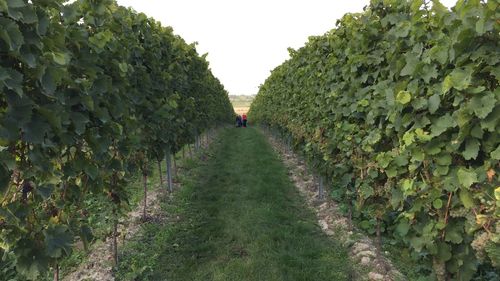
[245, 40]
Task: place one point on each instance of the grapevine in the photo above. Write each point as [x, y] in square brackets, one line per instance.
[89, 93]
[400, 107]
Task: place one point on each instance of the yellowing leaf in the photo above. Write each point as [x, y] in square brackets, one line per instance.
[490, 174]
[403, 97]
[422, 135]
[481, 219]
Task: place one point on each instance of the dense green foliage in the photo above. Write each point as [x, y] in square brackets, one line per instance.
[89, 92]
[237, 217]
[400, 107]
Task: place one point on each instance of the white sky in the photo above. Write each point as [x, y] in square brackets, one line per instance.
[245, 40]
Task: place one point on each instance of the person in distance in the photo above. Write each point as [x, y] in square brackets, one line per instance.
[244, 120]
[238, 121]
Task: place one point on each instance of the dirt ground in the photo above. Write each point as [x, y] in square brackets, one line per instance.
[100, 259]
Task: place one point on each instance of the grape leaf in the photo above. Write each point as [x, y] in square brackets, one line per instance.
[438, 203]
[471, 149]
[61, 58]
[466, 177]
[442, 124]
[403, 228]
[482, 106]
[403, 97]
[11, 34]
[15, 3]
[444, 252]
[495, 154]
[58, 241]
[34, 131]
[466, 198]
[459, 78]
[434, 102]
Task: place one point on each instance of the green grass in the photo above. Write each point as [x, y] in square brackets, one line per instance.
[238, 217]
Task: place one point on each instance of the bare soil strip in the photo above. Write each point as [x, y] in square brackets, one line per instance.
[100, 260]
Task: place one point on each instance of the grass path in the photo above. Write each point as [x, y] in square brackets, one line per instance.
[237, 217]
